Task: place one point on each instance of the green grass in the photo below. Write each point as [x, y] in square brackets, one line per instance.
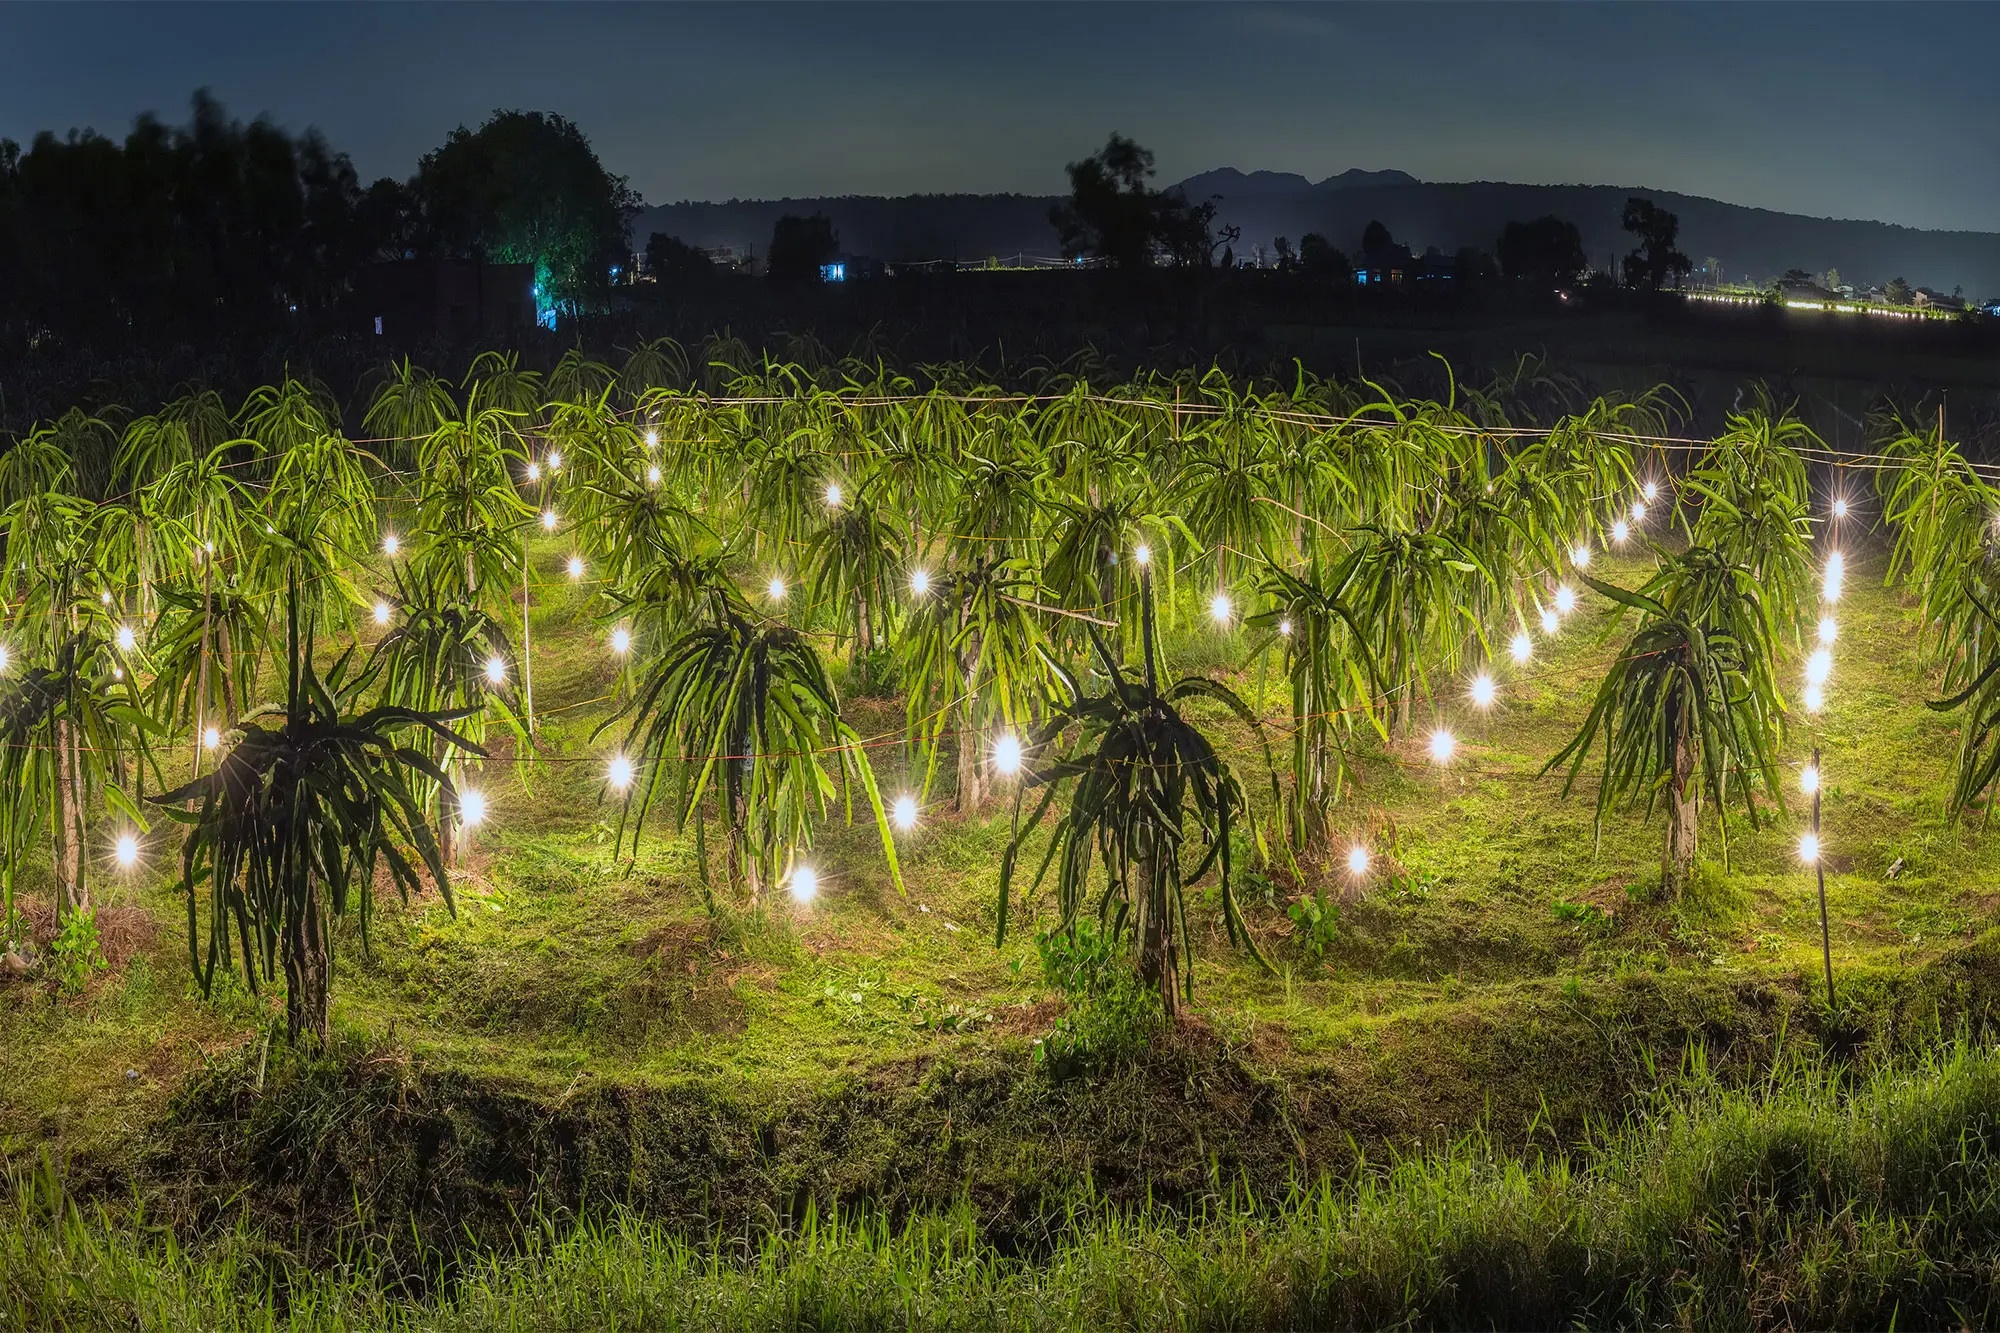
[1810, 1202]
[585, 1038]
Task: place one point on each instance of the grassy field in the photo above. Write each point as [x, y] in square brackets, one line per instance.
[1497, 1035]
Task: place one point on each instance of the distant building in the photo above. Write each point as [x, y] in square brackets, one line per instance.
[1795, 290]
[444, 298]
[1388, 266]
[1926, 298]
[1436, 267]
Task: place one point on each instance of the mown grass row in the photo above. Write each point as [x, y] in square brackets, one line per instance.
[1810, 1201]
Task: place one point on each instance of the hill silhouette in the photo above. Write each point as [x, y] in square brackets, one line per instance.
[1756, 243]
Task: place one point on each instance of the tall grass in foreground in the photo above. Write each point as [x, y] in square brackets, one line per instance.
[1814, 1203]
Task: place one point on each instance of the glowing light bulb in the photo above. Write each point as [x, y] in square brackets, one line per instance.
[1007, 755]
[471, 807]
[555, 460]
[1619, 532]
[1828, 631]
[619, 773]
[1839, 507]
[1285, 628]
[1579, 555]
[920, 583]
[1809, 779]
[496, 671]
[1522, 647]
[210, 738]
[381, 613]
[1651, 490]
[391, 544]
[548, 520]
[1218, 608]
[1814, 697]
[534, 471]
[1443, 746]
[1809, 848]
[1482, 690]
[804, 884]
[1819, 666]
[1143, 554]
[127, 640]
[904, 814]
[128, 851]
[776, 589]
[621, 641]
[1549, 622]
[576, 567]
[653, 475]
[208, 547]
[1565, 599]
[833, 495]
[652, 439]
[1357, 860]
[117, 673]
[1638, 511]
[105, 598]
[3, 658]
[1836, 566]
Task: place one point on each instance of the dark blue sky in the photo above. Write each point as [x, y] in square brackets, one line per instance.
[1889, 112]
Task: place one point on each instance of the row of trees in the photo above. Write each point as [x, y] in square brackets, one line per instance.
[1546, 250]
[178, 233]
[995, 557]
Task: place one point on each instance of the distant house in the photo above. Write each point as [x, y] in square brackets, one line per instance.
[1436, 267]
[1927, 298]
[1794, 290]
[444, 298]
[1388, 266]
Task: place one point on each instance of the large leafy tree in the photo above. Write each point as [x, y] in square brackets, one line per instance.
[1113, 214]
[526, 188]
[1548, 250]
[1690, 708]
[1655, 263]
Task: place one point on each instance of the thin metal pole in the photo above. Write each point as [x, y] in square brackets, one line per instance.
[1819, 870]
[527, 653]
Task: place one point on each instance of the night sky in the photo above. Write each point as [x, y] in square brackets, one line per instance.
[1848, 110]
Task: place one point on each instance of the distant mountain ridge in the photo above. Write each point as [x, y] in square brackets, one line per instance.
[1750, 242]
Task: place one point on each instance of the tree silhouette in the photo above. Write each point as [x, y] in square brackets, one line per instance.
[672, 262]
[526, 188]
[1318, 258]
[178, 232]
[800, 247]
[1114, 215]
[1109, 213]
[1375, 238]
[1548, 249]
[1656, 261]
